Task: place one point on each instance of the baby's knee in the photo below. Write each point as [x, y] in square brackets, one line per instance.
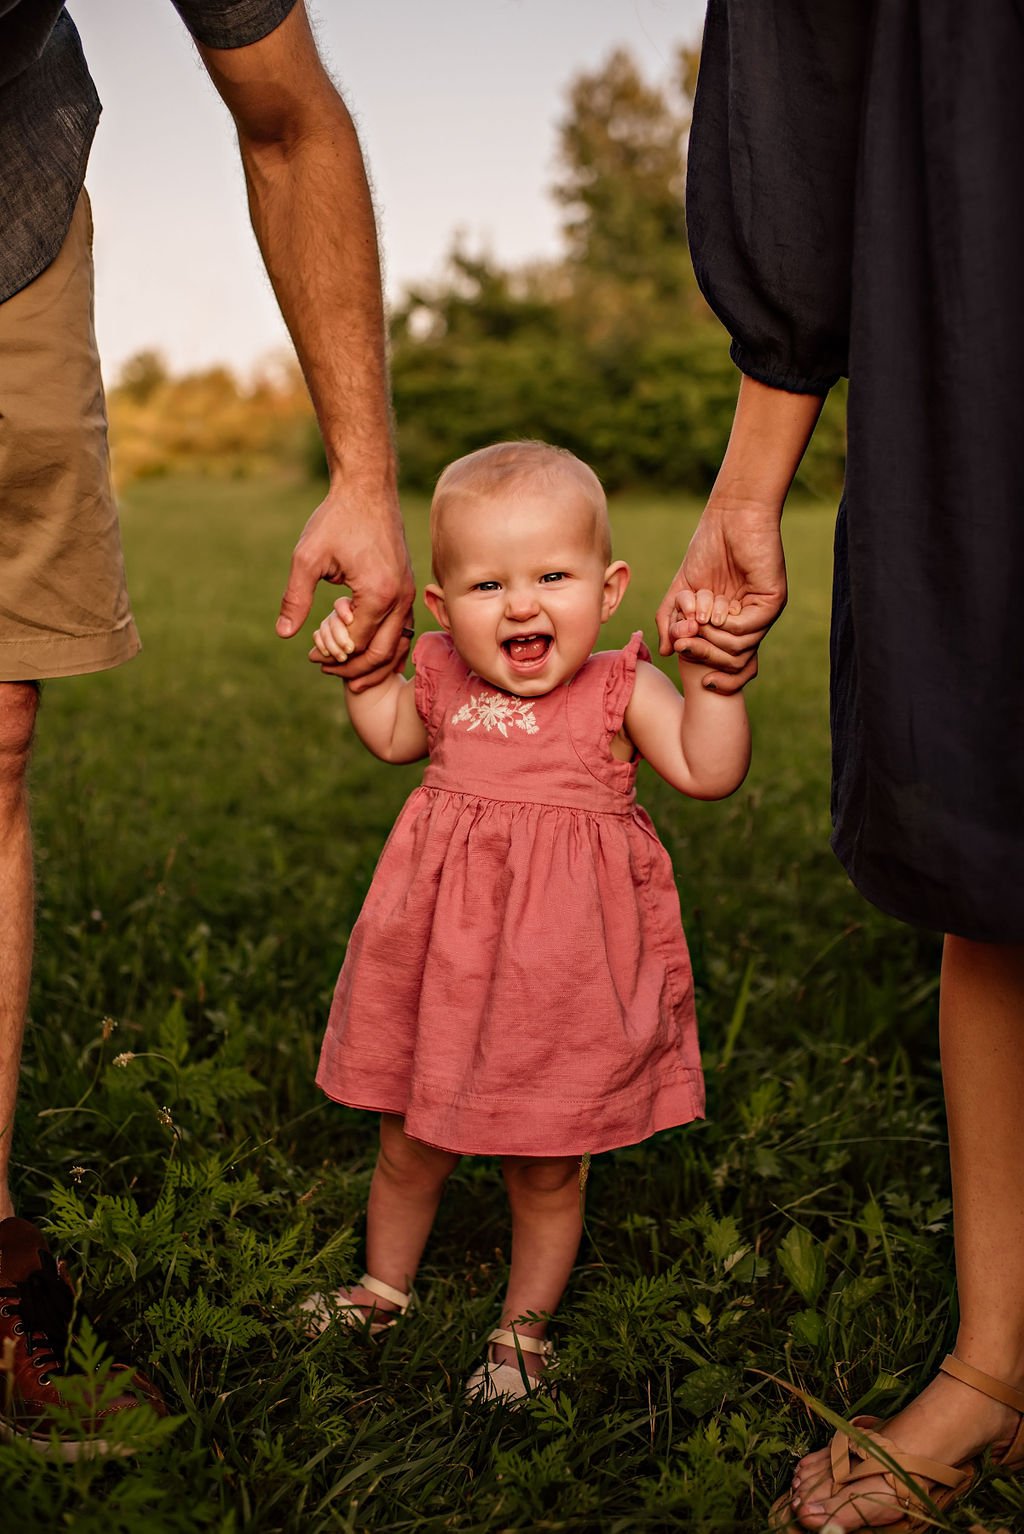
[407, 1161]
[541, 1176]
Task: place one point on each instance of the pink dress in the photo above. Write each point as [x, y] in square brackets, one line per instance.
[518, 982]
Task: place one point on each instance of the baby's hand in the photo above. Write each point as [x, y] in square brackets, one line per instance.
[695, 609]
[332, 641]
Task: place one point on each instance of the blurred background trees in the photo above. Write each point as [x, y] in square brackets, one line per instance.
[609, 350]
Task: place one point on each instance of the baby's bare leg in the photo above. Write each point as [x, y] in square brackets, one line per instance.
[547, 1223]
[408, 1181]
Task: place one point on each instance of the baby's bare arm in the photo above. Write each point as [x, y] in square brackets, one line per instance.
[700, 743]
[384, 716]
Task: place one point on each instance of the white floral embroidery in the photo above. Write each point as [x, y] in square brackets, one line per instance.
[497, 711]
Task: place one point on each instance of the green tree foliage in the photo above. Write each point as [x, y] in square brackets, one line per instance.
[610, 351]
[622, 172]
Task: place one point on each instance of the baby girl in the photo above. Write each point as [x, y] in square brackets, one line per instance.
[518, 983]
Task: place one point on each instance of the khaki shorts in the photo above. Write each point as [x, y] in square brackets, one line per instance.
[63, 601]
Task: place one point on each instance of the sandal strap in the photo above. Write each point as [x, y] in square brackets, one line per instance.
[527, 1344]
[917, 1466]
[384, 1291]
[996, 1390]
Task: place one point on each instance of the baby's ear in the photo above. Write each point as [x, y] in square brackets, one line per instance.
[434, 598]
[616, 579]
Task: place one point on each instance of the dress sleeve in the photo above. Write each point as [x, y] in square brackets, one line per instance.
[620, 681]
[772, 165]
[431, 658]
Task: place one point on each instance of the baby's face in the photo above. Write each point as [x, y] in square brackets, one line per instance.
[525, 588]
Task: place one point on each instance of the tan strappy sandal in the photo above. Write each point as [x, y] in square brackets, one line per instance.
[323, 1309]
[492, 1382]
[944, 1484]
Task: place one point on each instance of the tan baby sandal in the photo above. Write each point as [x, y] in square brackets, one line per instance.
[493, 1382]
[323, 1309]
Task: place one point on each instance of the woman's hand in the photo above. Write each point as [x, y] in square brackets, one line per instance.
[727, 593]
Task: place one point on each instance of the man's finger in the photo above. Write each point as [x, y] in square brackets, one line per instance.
[298, 597]
[386, 649]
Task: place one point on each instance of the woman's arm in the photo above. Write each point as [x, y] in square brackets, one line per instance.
[736, 553]
[770, 207]
[700, 743]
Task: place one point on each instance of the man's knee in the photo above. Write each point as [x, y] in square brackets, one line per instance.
[19, 703]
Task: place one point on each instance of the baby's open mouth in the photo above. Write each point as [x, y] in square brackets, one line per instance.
[524, 649]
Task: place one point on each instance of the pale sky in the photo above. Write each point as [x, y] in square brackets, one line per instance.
[456, 101]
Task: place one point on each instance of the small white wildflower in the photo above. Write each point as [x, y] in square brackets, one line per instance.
[164, 1116]
[108, 1025]
[78, 1172]
[125, 1059]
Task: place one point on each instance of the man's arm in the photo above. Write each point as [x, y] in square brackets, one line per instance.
[313, 217]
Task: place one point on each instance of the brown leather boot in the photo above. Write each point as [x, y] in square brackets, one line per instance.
[36, 1308]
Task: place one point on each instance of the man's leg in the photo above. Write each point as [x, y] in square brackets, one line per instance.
[65, 612]
[18, 704]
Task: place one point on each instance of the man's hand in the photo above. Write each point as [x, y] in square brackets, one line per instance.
[350, 543]
[727, 593]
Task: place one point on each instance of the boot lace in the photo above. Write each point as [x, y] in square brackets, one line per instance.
[43, 1304]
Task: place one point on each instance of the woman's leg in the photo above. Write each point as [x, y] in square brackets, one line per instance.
[981, 1024]
[547, 1223]
[406, 1189]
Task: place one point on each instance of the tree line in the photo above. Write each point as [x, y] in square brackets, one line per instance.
[609, 350]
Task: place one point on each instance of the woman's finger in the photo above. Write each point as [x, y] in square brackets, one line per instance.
[732, 644]
[703, 653]
[754, 617]
[730, 681]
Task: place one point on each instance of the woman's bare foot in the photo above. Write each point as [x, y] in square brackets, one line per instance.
[948, 1421]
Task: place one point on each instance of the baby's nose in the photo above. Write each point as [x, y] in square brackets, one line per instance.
[521, 603]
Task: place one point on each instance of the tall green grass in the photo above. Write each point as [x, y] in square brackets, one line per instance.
[207, 826]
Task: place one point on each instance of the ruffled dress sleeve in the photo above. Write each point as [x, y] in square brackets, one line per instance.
[771, 174]
[597, 701]
[620, 681]
[434, 662]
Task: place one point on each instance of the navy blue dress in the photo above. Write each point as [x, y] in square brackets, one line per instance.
[855, 204]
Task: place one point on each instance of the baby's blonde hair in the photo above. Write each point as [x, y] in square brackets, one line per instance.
[511, 466]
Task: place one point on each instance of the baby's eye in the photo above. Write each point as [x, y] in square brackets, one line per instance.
[554, 575]
[487, 586]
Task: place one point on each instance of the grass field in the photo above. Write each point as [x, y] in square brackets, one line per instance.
[207, 826]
